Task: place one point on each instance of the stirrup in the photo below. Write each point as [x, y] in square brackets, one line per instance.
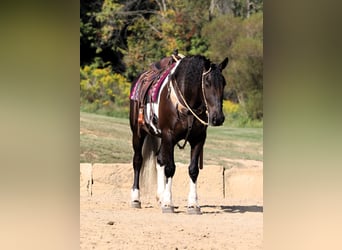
[141, 116]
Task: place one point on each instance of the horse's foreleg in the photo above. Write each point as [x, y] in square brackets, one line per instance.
[167, 204]
[193, 206]
[192, 197]
[166, 169]
[164, 190]
[160, 182]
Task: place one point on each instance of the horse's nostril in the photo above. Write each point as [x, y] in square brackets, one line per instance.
[214, 121]
[217, 120]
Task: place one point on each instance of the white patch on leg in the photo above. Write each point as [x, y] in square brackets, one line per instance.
[160, 181]
[167, 195]
[192, 198]
[135, 195]
[152, 108]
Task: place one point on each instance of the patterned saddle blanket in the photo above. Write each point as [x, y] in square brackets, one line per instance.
[148, 85]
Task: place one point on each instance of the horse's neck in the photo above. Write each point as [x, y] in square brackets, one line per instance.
[192, 93]
[191, 88]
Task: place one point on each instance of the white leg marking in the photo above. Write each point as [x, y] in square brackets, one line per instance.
[192, 198]
[167, 195]
[160, 181]
[135, 195]
[154, 107]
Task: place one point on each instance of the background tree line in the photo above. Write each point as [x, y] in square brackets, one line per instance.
[119, 39]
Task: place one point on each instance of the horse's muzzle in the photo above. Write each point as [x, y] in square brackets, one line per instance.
[217, 119]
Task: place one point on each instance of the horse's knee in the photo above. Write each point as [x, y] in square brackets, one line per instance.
[170, 170]
[193, 173]
[170, 167]
[165, 158]
[162, 160]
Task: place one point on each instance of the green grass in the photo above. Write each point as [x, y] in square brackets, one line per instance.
[106, 139]
[234, 143]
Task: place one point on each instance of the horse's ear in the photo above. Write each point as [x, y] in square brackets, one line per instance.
[223, 64]
[207, 64]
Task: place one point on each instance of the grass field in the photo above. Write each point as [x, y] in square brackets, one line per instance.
[106, 139]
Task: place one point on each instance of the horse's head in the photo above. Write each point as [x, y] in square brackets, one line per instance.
[213, 85]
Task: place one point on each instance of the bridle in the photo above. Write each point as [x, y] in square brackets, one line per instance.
[203, 94]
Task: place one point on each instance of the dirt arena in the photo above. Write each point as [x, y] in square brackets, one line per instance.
[231, 203]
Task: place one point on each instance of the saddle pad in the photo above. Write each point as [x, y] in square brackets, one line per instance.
[135, 91]
[154, 90]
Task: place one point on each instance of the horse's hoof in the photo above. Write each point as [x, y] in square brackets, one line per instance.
[194, 210]
[136, 204]
[168, 209]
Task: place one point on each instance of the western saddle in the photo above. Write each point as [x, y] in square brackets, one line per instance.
[151, 77]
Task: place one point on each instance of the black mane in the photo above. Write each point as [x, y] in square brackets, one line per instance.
[190, 70]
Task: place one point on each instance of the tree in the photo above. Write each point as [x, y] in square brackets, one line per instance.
[104, 29]
[174, 24]
[88, 30]
[127, 36]
[242, 41]
[237, 8]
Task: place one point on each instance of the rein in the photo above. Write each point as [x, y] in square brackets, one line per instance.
[190, 118]
[205, 100]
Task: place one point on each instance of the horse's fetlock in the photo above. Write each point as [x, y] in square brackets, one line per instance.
[193, 173]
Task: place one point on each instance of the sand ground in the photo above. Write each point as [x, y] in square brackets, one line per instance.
[231, 204]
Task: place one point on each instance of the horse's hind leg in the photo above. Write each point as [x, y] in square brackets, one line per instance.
[137, 163]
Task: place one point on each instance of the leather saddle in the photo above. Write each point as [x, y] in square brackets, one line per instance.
[151, 77]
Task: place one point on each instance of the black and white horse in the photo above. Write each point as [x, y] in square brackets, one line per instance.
[189, 100]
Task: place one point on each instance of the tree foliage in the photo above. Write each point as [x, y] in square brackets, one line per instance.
[174, 24]
[125, 37]
[103, 88]
[242, 40]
